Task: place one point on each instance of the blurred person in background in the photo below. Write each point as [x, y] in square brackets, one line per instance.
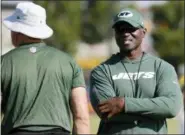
[134, 92]
[42, 88]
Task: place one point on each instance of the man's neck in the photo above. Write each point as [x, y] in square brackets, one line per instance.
[23, 40]
[134, 54]
[29, 42]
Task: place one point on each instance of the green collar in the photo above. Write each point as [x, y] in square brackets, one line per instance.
[28, 45]
[127, 60]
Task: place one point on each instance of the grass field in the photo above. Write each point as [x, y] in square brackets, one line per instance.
[172, 125]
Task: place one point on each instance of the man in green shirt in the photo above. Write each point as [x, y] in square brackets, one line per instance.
[134, 92]
[43, 89]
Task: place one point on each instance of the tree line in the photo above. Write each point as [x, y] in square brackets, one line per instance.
[90, 21]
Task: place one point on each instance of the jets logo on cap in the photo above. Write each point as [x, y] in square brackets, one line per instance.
[125, 14]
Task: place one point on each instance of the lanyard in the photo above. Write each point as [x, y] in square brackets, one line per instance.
[134, 83]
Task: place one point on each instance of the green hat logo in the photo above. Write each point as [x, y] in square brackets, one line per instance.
[130, 16]
[125, 14]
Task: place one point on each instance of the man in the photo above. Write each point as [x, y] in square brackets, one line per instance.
[42, 87]
[134, 92]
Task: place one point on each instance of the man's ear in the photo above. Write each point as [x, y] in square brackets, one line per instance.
[144, 30]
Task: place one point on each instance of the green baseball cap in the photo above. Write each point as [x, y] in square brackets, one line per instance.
[130, 16]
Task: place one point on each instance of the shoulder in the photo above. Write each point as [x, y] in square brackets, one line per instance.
[161, 63]
[153, 58]
[167, 69]
[163, 67]
[57, 51]
[60, 54]
[8, 54]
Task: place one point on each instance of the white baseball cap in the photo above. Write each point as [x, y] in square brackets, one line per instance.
[29, 19]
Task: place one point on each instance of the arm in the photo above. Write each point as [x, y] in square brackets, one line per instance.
[78, 101]
[100, 88]
[167, 102]
[79, 106]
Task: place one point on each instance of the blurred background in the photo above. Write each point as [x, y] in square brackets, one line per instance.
[83, 29]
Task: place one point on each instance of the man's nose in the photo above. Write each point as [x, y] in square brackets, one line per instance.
[125, 33]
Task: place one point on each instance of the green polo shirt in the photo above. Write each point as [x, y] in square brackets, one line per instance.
[36, 84]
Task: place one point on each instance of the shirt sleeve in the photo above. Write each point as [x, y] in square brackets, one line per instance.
[78, 77]
[5, 74]
[100, 87]
[167, 102]
[5, 80]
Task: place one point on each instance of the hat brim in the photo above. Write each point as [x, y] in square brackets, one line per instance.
[41, 32]
[134, 24]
